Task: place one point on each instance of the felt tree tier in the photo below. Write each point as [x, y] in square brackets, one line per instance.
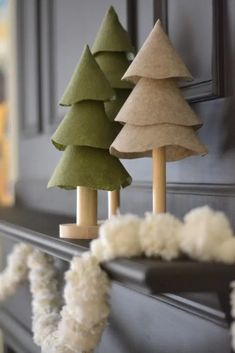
[139, 141]
[86, 124]
[87, 83]
[116, 40]
[157, 102]
[113, 107]
[89, 167]
[157, 59]
[114, 64]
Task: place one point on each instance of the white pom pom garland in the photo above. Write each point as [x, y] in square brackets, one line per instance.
[16, 271]
[77, 326]
[203, 233]
[160, 236]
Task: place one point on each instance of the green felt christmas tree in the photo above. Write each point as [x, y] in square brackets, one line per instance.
[112, 50]
[84, 136]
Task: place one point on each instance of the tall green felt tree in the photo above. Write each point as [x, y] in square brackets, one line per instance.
[112, 50]
[84, 136]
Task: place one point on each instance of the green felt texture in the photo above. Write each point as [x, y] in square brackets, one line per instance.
[93, 168]
[87, 83]
[85, 124]
[112, 107]
[111, 35]
[114, 65]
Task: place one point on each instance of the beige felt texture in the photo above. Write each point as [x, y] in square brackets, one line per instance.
[155, 102]
[87, 83]
[139, 141]
[157, 59]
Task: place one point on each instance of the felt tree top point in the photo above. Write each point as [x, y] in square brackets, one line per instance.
[111, 35]
[87, 83]
[157, 59]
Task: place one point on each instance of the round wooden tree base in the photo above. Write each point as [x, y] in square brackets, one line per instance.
[76, 231]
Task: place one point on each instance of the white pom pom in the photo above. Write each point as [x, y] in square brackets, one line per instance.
[159, 235]
[226, 252]
[85, 280]
[204, 232]
[76, 337]
[118, 238]
[88, 314]
[99, 251]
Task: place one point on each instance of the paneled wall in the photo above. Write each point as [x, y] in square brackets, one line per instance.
[51, 38]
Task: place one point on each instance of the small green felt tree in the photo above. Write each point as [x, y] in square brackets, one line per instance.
[112, 50]
[85, 135]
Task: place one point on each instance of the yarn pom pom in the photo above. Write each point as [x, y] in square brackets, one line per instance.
[204, 232]
[226, 252]
[119, 237]
[159, 236]
[16, 271]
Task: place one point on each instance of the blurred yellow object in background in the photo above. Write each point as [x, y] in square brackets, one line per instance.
[5, 195]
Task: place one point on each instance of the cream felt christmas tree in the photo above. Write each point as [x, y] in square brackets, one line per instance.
[158, 120]
[112, 49]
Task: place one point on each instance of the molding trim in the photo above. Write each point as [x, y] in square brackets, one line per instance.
[29, 77]
[132, 21]
[194, 308]
[214, 87]
[32, 193]
[225, 190]
[47, 34]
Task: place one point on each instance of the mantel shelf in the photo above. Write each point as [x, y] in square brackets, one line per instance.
[148, 275]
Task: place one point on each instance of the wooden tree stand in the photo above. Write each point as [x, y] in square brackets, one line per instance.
[159, 180]
[86, 226]
[113, 202]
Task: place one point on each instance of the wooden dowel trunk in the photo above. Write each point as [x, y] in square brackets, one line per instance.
[86, 226]
[86, 206]
[113, 202]
[159, 180]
